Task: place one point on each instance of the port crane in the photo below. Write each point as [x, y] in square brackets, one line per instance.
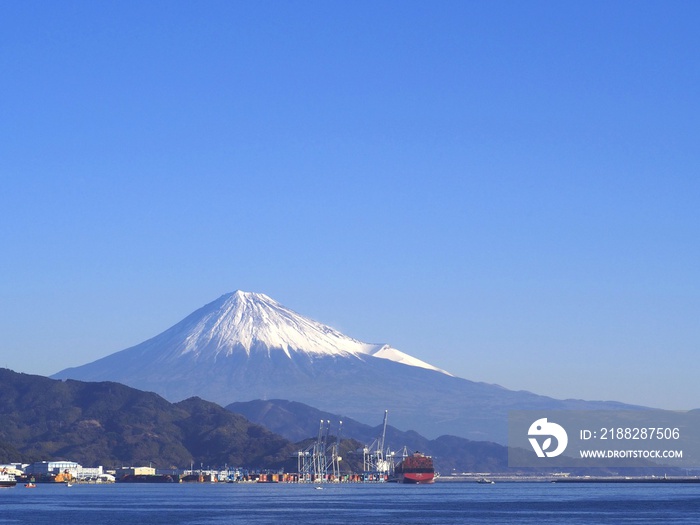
[378, 463]
[335, 454]
[313, 463]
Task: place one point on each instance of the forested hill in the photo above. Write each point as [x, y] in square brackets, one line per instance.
[114, 425]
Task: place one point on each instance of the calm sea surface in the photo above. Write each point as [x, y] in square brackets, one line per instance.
[441, 503]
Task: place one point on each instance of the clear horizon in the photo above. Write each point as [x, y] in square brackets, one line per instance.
[506, 191]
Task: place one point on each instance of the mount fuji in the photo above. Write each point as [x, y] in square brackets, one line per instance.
[245, 346]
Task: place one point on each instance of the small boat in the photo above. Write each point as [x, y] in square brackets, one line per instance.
[69, 484]
[485, 481]
[30, 485]
[7, 480]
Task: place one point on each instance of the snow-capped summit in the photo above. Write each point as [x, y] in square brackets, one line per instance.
[245, 321]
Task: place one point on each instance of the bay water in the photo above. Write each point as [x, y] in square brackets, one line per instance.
[268, 504]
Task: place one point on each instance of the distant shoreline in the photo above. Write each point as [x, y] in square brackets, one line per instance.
[566, 479]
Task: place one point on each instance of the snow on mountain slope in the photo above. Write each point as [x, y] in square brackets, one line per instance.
[253, 322]
[392, 354]
[244, 321]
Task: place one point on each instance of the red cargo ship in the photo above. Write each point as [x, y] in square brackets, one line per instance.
[417, 468]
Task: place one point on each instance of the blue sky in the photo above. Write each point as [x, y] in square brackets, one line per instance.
[507, 190]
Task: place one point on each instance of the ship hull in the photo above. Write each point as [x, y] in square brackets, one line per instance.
[416, 478]
[7, 480]
[416, 469]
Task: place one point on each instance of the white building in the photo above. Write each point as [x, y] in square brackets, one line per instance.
[53, 467]
[90, 473]
[12, 468]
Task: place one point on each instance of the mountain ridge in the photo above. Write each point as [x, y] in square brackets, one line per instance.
[242, 347]
[293, 420]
